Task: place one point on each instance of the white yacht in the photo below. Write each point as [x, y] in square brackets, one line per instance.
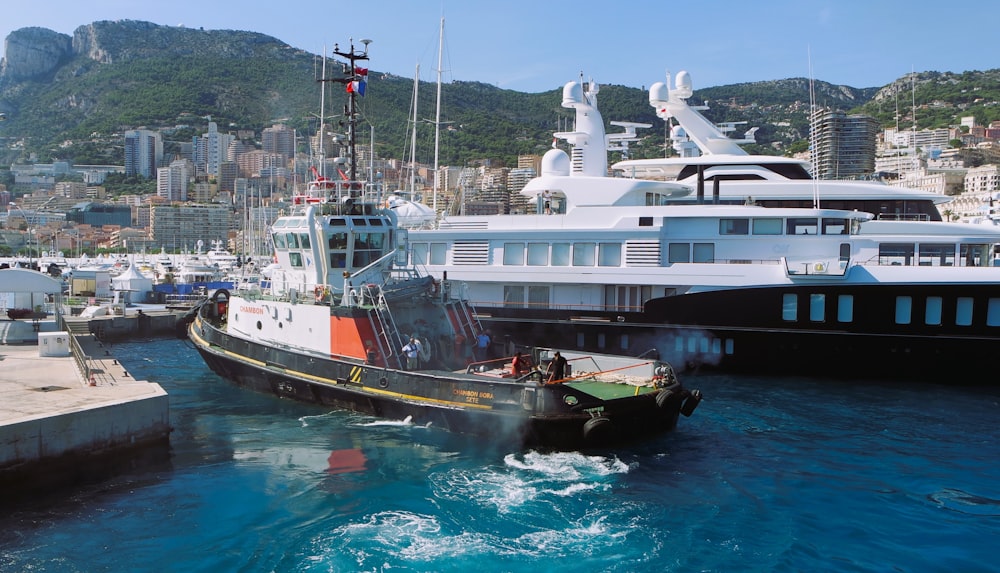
[706, 153]
[631, 265]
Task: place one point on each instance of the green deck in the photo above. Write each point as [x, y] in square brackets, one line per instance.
[609, 391]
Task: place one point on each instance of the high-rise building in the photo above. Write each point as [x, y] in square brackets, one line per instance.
[172, 182]
[211, 149]
[843, 146]
[143, 153]
[279, 138]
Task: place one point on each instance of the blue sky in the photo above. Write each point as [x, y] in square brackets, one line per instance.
[538, 45]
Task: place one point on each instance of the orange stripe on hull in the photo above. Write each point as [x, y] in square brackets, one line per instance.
[346, 337]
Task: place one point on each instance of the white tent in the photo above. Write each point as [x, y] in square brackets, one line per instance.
[134, 281]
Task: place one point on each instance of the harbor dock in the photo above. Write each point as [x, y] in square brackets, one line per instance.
[66, 414]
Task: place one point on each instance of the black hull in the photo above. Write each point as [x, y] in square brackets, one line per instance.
[743, 331]
[504, 411]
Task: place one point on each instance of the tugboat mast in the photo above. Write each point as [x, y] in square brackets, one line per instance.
[351, 79]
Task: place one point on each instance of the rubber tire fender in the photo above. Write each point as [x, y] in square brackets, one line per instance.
[598, 429]
[691, 402]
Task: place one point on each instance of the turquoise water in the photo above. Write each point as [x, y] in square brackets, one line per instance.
[790, 474]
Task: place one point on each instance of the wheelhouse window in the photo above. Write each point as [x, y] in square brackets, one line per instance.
[295, 258]
[279, 241]
[734, 226]
[304, 240]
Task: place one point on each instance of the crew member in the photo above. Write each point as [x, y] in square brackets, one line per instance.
[556, 369]
[412, 351]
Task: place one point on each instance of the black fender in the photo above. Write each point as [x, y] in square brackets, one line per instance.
[691, 402]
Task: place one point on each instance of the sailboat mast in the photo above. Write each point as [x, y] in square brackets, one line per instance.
[437, 118]
[413, 136]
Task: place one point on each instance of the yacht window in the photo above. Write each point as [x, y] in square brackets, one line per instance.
[645, 221]
[292, 239]
[904, 309]
[835, 226]
[513, 254]
[895, 254]
[338, 260]
[376, 240]
[513, 296]
[817, 307]
[932, 314]
[975, 255]
[845, 252]
[963, 311]
[993, 312]
[560, 254]
[790, 307]
[439, 253]
[845, 308]
[304, 240]
[936, 255]
[418, 253]
[802, 226]
[678, 253]
[338, 222]
[538, 296]
[295, 258]
[767, 226]
[376, 222]
[359, 221]
[583, 254]
[280, 242]
[704, 252]
[609, 255]
[538, 254]
[734, 226]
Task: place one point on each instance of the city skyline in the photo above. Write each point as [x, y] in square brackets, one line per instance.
[534, 47]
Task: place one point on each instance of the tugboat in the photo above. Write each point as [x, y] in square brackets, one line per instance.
[343, 303]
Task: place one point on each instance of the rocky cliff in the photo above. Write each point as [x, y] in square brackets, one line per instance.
[33, 52]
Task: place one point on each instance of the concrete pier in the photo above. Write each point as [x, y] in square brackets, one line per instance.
[58, 413]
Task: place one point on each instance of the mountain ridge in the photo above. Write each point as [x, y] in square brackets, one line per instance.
[70, 98]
